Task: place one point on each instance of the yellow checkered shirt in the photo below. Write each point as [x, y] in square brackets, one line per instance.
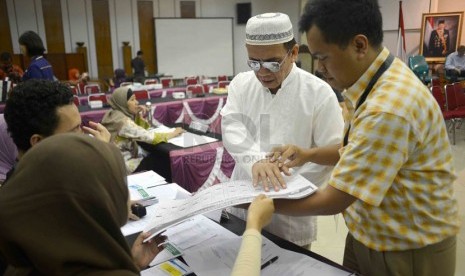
[398, 163]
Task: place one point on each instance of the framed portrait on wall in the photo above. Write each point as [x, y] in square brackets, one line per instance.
[440, 35]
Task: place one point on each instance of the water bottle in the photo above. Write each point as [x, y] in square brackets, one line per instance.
[149, 115]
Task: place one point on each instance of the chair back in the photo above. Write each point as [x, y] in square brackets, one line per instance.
[92, 88]
[222, 78]
[150, 81]
[439, 96]
[195, 89]
[223, 84]
[420, 67]
[141, 94]
[191, 80]
[451, 102]
[166, 82]
[76, 100]
[74, 89]
[97, 97]
[459, 95]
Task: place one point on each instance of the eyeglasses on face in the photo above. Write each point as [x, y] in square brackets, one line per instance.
[273, 66]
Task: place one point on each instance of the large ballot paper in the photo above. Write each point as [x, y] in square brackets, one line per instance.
[168, 213]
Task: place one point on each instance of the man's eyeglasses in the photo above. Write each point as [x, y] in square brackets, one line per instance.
[273, 66]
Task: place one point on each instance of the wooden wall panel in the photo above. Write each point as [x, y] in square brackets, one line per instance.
[53, 26]
[147, 35]
[5, 34]
[101, 16]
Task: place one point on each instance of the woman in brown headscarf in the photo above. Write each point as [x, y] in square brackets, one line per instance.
[126, 127]
[62, 212]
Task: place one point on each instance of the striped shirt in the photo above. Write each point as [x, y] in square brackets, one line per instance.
[398, 163]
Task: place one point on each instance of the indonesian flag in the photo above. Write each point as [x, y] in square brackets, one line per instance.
[429, 27]
[401, 49]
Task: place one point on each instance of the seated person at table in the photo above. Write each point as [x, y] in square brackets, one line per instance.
[37, 109]
[118, 79]
[75, 77]
[455, 64]
[64, 218]
[9, 70]
[127, 126]
[95, 195]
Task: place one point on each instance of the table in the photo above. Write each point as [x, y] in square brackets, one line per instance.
[169, 111]
[191, 168]
[237, 226]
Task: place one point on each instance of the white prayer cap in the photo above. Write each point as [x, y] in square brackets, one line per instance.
[268, 29]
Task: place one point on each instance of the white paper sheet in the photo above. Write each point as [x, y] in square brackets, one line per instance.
[218, 259]
[162, 193]
[221, 196]
[188, 139]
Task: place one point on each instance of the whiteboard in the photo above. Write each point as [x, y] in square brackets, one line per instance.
[194, 46]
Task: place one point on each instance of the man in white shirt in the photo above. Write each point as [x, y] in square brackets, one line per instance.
[455, 64]
[274, 104]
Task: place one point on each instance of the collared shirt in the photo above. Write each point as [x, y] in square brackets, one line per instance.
[454, 61]
[39, 68]
[398, 163]
[303, 112]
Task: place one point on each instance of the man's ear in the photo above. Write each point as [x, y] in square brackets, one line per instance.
[360, 43]
[35, 138]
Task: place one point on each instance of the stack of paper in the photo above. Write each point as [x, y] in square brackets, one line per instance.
[221, 196]
[139, 184]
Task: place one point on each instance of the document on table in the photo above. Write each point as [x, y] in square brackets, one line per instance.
[188, 139]
[218, 259]
[221, 196]
[139, 184]
[162, 193]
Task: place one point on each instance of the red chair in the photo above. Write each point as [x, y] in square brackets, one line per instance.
[195, 89]
[223, 84]
[166, 82]
[191, 80]
[454, 99]
[150, 81]
[435, 82]
[453, 110]
[80, 86]
[458, 88]
[74, 90]
[141, 94]
[97, 97]
[76, 100]
[222, 78]
[92, 88]
[206, 88]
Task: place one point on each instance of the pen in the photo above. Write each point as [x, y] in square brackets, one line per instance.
[272, 260]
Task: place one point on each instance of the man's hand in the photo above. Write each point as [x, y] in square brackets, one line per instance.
[98, 131]
[268, 174]
[144, 253]
[260, 212]
[288, 156]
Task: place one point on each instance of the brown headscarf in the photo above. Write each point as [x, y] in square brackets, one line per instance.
[63, 208]
[114, 118]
